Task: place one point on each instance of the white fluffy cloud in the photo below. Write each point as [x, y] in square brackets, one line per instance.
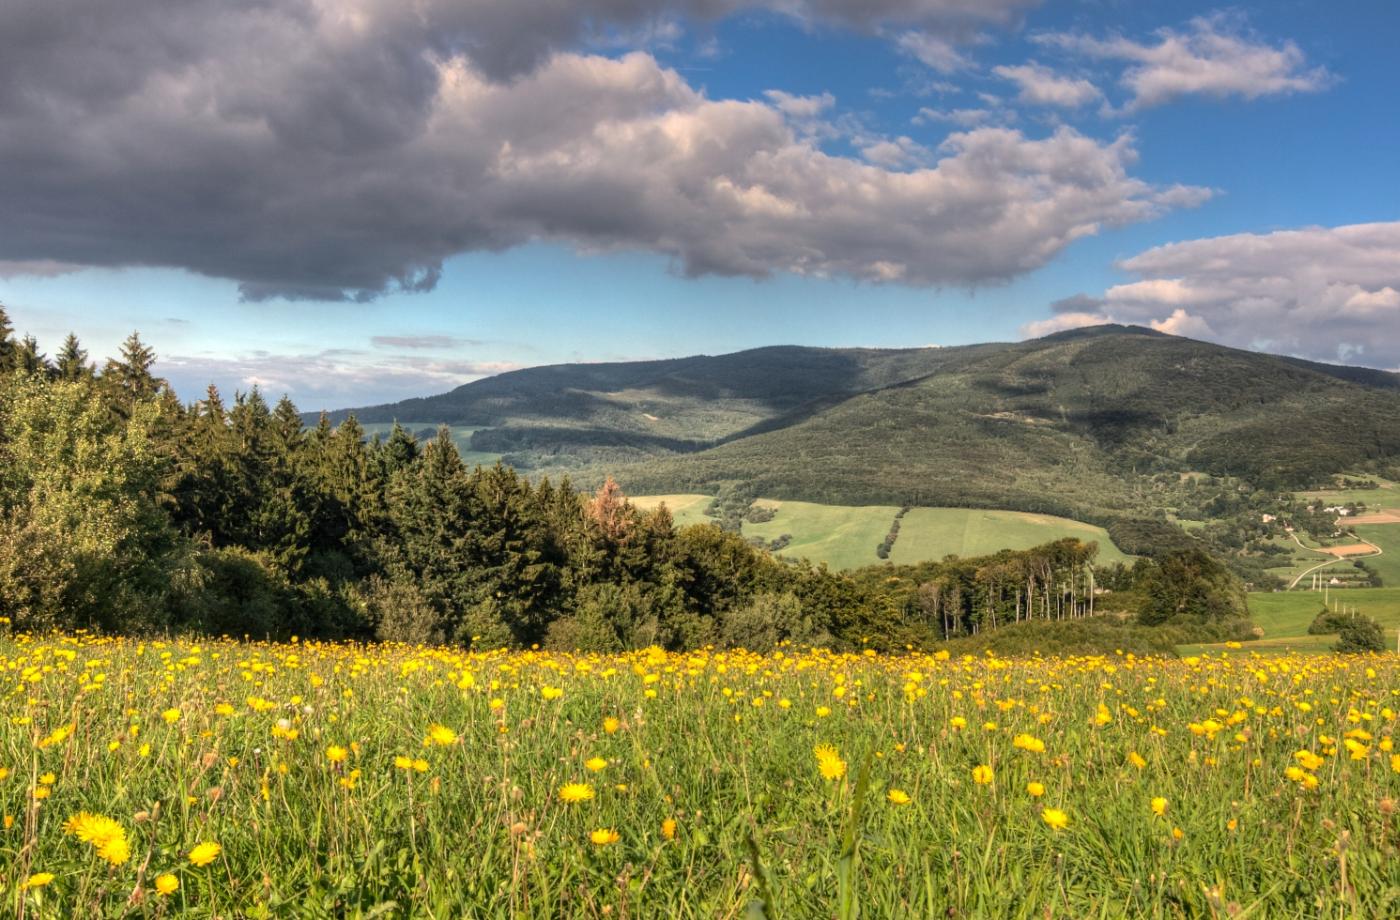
[1039, 85]
[1327, 293]
[1213, 56]
[318, 149]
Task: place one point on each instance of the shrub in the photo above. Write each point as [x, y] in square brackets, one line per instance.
[1359, 635]
[1328, 622]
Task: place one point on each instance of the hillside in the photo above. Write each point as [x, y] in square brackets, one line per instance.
[1070, 424]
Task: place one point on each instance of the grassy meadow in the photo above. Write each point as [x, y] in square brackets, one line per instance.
[846, 536]
[149, 778]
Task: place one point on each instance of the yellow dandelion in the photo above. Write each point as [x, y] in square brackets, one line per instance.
[204, 853]
[611, 725]
[336, 754]
[898, 797]
[668, 828]
[596, 764]
[38, 880]
[829, 762]
[575, 792]
[171, 716]
[1159, 806]
[441, 735]
[167, 884]
[604, 836]
[982, 775]
[1035, 789]
[1055, 818]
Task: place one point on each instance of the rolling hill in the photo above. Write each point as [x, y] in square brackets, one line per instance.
[1080, 424]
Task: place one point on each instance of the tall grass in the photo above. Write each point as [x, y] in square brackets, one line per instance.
[357, 781]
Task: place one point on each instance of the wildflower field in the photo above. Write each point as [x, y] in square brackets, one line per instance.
[231, 779]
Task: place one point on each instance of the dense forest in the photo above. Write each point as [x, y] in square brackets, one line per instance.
[124, 509]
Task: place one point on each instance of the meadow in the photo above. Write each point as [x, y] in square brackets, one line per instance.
[846, 536]
[219, 778]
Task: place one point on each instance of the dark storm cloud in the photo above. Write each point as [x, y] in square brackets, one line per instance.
[338, 149]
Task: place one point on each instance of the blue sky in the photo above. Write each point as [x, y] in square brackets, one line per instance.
[1223, 172]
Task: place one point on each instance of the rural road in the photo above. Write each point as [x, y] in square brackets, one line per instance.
[1331, 558]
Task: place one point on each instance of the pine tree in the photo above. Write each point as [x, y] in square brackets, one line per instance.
[8, 347]
[72, 362]
[30, 360]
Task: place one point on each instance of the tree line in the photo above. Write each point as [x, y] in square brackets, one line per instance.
[123, 509]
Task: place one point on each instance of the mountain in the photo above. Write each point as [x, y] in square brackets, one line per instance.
[1082, 423]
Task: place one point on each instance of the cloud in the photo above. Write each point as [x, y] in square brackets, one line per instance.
[421, 341]
[1326, 293]
[334, 378]
[1213, 56]
[1039, 85]
[309, 149]
[933, 51]
[965, 118]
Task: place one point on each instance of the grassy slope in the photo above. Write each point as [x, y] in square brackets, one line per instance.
[931, 533]
[685, 509]
[845, 536]
[1284, 617]
[842, 536]
[1387, 537]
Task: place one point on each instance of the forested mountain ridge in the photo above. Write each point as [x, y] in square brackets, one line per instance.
[1073, 423]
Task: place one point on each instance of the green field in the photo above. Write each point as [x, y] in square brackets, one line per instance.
[1387, 537]
[1387, 496]
[685, 509]
[932, 533]
[842, 536]
[846, 536]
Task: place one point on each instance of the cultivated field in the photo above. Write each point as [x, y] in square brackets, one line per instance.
[252, 780]
[846, 536]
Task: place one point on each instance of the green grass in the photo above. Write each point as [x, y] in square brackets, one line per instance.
[842, 536]
[1387, 537]
[685, 509]
[1288, 613]
[829, 785]
[932, 533]
[1387, 496]
[846, 536]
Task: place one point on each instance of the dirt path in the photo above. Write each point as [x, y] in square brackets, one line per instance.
[1331, 557]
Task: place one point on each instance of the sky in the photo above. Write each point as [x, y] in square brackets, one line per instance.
[357, 201]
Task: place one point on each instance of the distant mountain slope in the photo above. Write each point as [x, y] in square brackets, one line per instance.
[1066, 424]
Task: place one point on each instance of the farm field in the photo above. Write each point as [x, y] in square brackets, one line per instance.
[846, 536]
[1284, 617]
[925, 533]
[1386, 496]
[1387, 537]
[685, 509]
[253, 780]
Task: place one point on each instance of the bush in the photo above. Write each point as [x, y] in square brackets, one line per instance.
[1360, 635]
[1328, 622]
[769, 619]
[1101, 635]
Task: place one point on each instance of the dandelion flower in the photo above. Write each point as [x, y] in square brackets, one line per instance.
[668, 828]
[611, 725]
[38, 880]
[1035, 789]
[595, 764]
[1055, 818]
[1136, 760]
[1159, 806]
[898, 797]
[604, 836]
[575, 792]
[336, 754]
[982, 775]
[441, 735]
[167, 884]
[829, 762]
[204, 853]
[171, 716]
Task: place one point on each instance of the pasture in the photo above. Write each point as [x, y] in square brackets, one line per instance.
[223, 779]
[846, 536]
